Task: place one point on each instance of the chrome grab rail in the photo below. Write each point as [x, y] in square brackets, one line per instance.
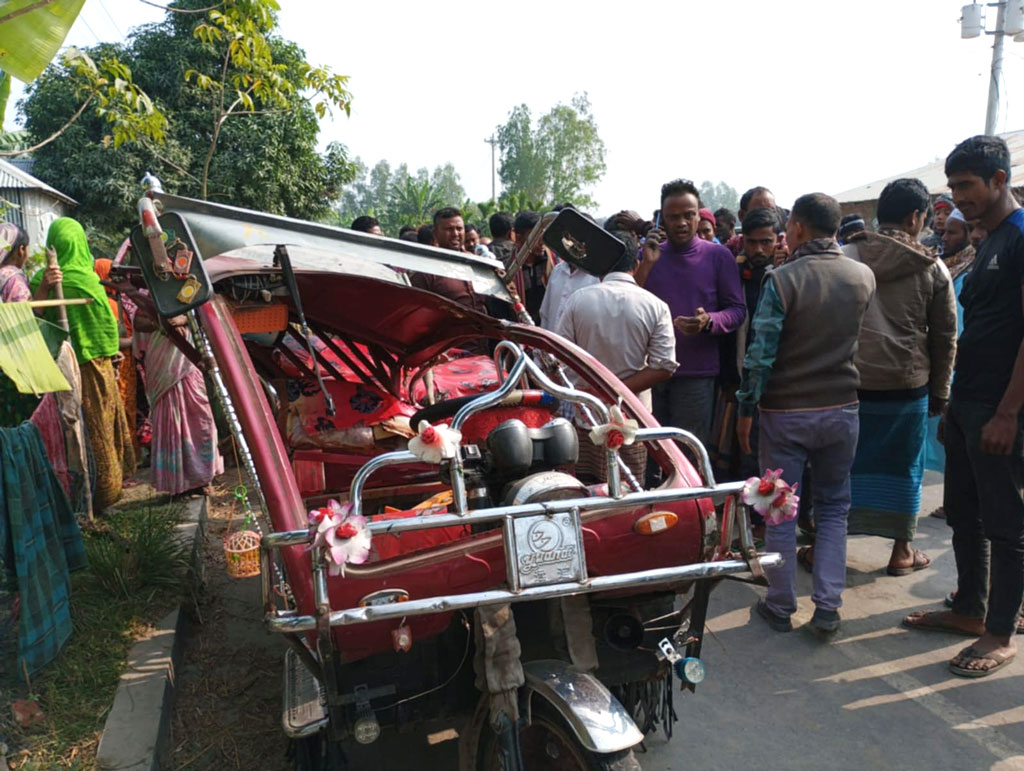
[688, 440]
[577, 507]
[496, 513]
[355, 492]
[428, 605]
[574, 396]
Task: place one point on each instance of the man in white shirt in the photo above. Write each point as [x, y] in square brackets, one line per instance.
[564, 280]
[627, 329]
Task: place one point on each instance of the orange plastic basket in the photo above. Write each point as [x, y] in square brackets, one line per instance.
[242, 553]
[260, 318]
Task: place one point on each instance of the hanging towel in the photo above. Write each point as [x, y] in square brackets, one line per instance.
[40, 544]
[24, 355]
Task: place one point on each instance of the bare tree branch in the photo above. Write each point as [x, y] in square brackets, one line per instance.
[53, 136]
[178, 10]
[171, 163]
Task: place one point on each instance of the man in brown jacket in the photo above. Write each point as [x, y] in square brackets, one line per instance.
[905, 360]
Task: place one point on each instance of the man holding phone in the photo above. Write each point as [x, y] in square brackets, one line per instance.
[700, 283]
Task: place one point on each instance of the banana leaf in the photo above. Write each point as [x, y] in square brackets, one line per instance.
[31, 33]
[5, 93]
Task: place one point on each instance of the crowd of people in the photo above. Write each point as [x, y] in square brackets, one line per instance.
[849, 354]
[97, 435]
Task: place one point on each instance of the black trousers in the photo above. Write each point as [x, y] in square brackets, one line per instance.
[985, 508]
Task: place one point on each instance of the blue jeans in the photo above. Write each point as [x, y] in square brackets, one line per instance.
[828, 439]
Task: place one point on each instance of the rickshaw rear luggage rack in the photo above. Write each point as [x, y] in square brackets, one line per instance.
[428, 605]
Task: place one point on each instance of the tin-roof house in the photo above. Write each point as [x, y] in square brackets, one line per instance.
[30, 202]
[864, 199]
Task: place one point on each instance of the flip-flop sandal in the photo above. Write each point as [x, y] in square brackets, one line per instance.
[805, 558]
[921, 561]
[935, 626]
[939, 513]
[1001, 659]
[948, 602]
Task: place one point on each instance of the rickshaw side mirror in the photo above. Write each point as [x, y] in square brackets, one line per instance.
[583, 243]
[187, 286]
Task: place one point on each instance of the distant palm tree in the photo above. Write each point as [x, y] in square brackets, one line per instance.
[520, 201]
[413, 201]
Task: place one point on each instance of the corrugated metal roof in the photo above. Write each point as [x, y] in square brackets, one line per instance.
[11, 177]
[934, 174]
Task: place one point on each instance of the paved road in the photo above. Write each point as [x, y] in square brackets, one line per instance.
[878, 697]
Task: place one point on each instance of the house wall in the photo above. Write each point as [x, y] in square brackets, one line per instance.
[37, 209]
[865, 209]
[868, 209]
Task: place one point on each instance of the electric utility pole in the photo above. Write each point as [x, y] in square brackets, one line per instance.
[992, 112]
[1009, 21]
[493, 142]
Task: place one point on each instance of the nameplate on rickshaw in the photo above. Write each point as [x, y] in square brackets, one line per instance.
[549, 549]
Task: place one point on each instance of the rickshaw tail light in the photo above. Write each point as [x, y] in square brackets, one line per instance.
[655, 522]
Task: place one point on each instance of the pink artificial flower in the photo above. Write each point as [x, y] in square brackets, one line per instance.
[435, 443]
[344, 535]
[771, 497]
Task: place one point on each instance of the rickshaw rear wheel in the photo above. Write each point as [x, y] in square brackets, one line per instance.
[548, 744]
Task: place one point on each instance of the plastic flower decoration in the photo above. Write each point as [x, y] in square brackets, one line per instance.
[344, 536]
[435, 443]
[771, 497]
[616, 432]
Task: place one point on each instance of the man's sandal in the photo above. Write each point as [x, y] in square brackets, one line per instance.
[948, 602]
[932, 621]
[971, 654]
[920, 562]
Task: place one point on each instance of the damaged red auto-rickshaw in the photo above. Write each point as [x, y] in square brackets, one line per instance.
[503, 601]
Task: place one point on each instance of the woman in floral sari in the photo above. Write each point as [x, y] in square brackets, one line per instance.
[184, 448]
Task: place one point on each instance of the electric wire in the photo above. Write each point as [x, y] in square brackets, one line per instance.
[110, 16]
[465, 655]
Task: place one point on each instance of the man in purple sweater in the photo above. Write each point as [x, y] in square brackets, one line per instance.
[700, 283]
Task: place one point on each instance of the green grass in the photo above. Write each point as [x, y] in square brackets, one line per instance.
[136, 575]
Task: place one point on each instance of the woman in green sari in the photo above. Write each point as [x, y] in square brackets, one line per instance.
[95, 339]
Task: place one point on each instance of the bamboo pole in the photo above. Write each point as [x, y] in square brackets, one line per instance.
[59, 303]
[58, 289]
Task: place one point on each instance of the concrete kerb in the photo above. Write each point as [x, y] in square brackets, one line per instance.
[135, 735]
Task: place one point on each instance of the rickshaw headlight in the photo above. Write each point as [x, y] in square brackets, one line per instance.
[691, 669]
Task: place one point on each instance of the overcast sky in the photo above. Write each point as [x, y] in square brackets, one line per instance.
[798, 95]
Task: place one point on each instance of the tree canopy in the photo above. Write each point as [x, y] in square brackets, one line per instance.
[398, 197]
[714, 196]
[241, 107]
[557, 159]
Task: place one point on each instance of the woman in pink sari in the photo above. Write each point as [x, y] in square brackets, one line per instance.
[184, 450]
